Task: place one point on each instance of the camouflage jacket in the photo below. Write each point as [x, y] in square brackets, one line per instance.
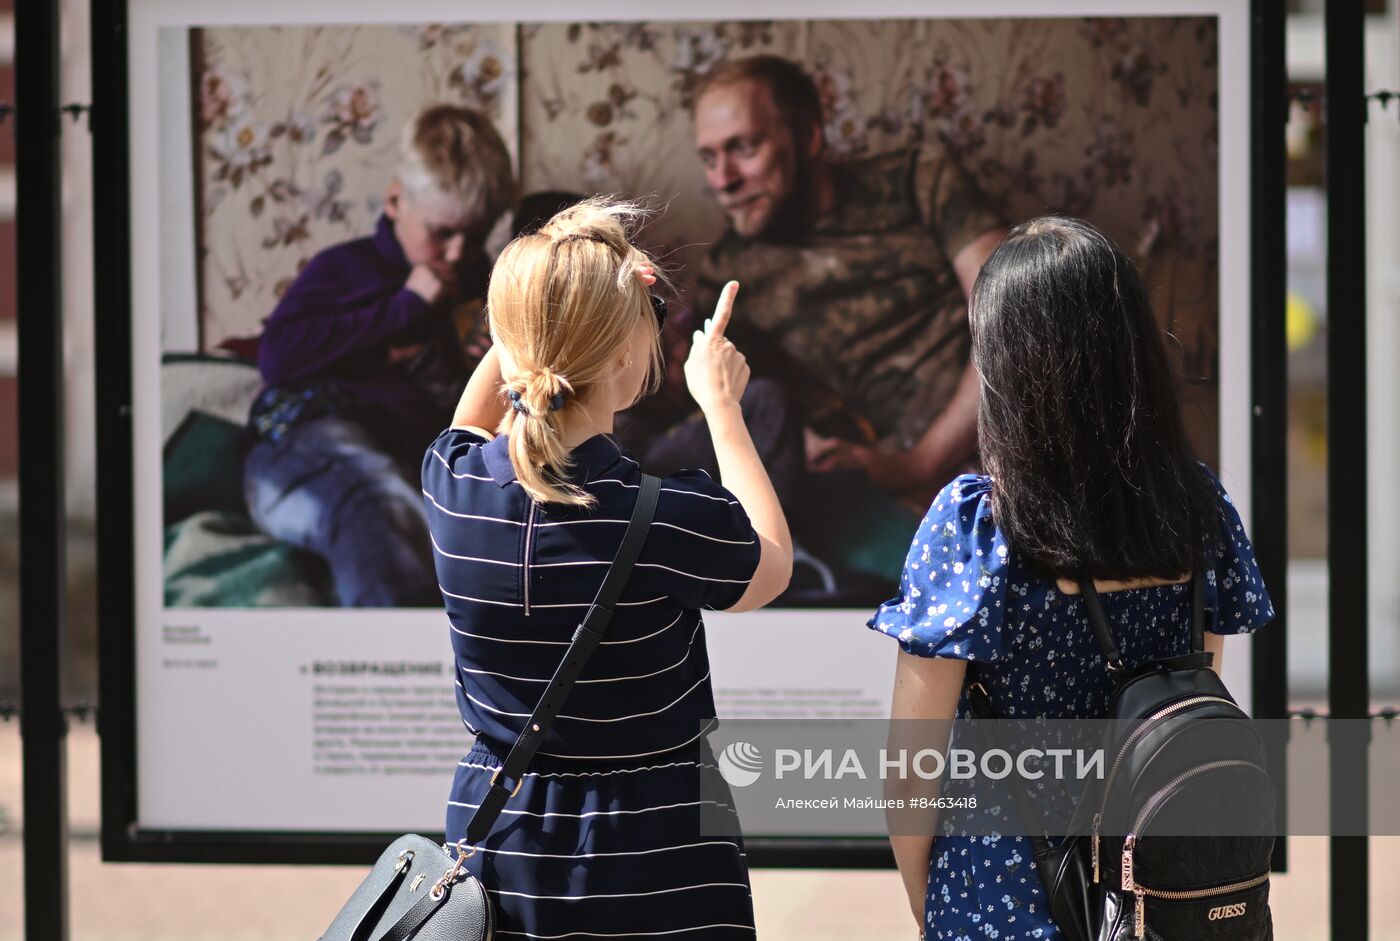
[863, 316]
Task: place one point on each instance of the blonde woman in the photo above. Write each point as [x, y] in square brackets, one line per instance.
[613, 831]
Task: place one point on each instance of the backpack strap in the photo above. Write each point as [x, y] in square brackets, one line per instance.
[1113, 657]
[587, 636]
[1198, 610]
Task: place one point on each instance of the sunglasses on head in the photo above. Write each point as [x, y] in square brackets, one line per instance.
[658, 307]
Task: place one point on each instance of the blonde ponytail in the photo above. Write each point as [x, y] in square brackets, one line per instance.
[564, 301]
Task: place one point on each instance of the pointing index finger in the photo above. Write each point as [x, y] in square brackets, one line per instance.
[724, 309]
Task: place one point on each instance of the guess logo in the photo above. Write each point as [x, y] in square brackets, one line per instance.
[1225, 911]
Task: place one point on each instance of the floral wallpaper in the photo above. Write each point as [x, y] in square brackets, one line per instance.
[1111, 119]
[297, 131]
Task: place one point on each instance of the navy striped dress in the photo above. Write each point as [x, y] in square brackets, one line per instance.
[623, 827]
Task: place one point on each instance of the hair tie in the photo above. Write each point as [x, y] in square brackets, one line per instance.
[556, 402]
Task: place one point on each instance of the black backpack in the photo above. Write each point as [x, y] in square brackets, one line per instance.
[1175, 841]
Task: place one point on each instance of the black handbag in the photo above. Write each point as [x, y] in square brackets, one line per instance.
[417, 891]
[1178, 747]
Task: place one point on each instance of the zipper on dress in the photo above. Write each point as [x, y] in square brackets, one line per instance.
[529, 551]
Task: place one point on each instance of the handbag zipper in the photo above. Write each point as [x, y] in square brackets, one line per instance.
[490, 912]
[1143, 728]
[529, 548]
[1140, 892]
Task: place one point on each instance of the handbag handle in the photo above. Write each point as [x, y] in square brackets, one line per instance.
[411, 920]
[586, 639]
[381, 901]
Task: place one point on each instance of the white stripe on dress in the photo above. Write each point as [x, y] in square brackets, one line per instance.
[590, 774]
[710, 727]
[731, 542]
[703, 578]
[468, 558]
[565, 643]
[621, 895]
[606, 679]
[693, 493]
[640, 715]
[502, 604]
[640, 565]
[659, 849]
[453, 472]
[505, 640]
[512, 604]
[682, 529]
[598, 813]
[469, 516]
[560, 565]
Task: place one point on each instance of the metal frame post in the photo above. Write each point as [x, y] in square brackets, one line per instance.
[1268, 370]
[116, 576]
[1348, 688]
[38, 215]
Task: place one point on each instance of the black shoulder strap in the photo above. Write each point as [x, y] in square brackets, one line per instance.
[586, 638]
[1198, 610]
[1113, 657]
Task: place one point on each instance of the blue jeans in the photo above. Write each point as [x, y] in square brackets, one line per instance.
[329, 488]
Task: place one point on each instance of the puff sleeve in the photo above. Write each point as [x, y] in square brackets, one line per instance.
[953, 587]
[1235, 593]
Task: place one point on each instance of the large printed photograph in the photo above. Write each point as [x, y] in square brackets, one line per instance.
[851, 175]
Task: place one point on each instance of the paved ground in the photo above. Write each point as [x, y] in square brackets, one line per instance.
[127, 902]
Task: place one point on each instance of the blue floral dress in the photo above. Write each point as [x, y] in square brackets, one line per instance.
[965, 595]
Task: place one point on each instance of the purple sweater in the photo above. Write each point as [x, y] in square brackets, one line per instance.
[335, 327]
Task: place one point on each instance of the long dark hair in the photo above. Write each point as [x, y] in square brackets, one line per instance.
[1079, 424]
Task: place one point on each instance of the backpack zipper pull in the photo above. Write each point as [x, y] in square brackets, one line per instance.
[1098, 818]
[1130, 885]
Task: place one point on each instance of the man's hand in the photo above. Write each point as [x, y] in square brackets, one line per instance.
[903, 473]
[825, 455]
[430, 282]
[397, 354]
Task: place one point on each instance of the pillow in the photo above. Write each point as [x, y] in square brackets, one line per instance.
[216, 385]
[202, 467]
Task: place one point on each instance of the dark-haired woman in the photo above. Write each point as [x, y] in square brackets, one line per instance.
[1089, 474]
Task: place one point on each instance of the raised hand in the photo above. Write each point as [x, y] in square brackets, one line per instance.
[716, 372]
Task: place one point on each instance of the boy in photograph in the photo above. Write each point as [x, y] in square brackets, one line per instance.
[855, 276]
[362, 366]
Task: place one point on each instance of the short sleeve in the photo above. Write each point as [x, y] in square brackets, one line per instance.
[953, 206]
[702, 542]
[445, 455]
[1235, 592]
[951, 592]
